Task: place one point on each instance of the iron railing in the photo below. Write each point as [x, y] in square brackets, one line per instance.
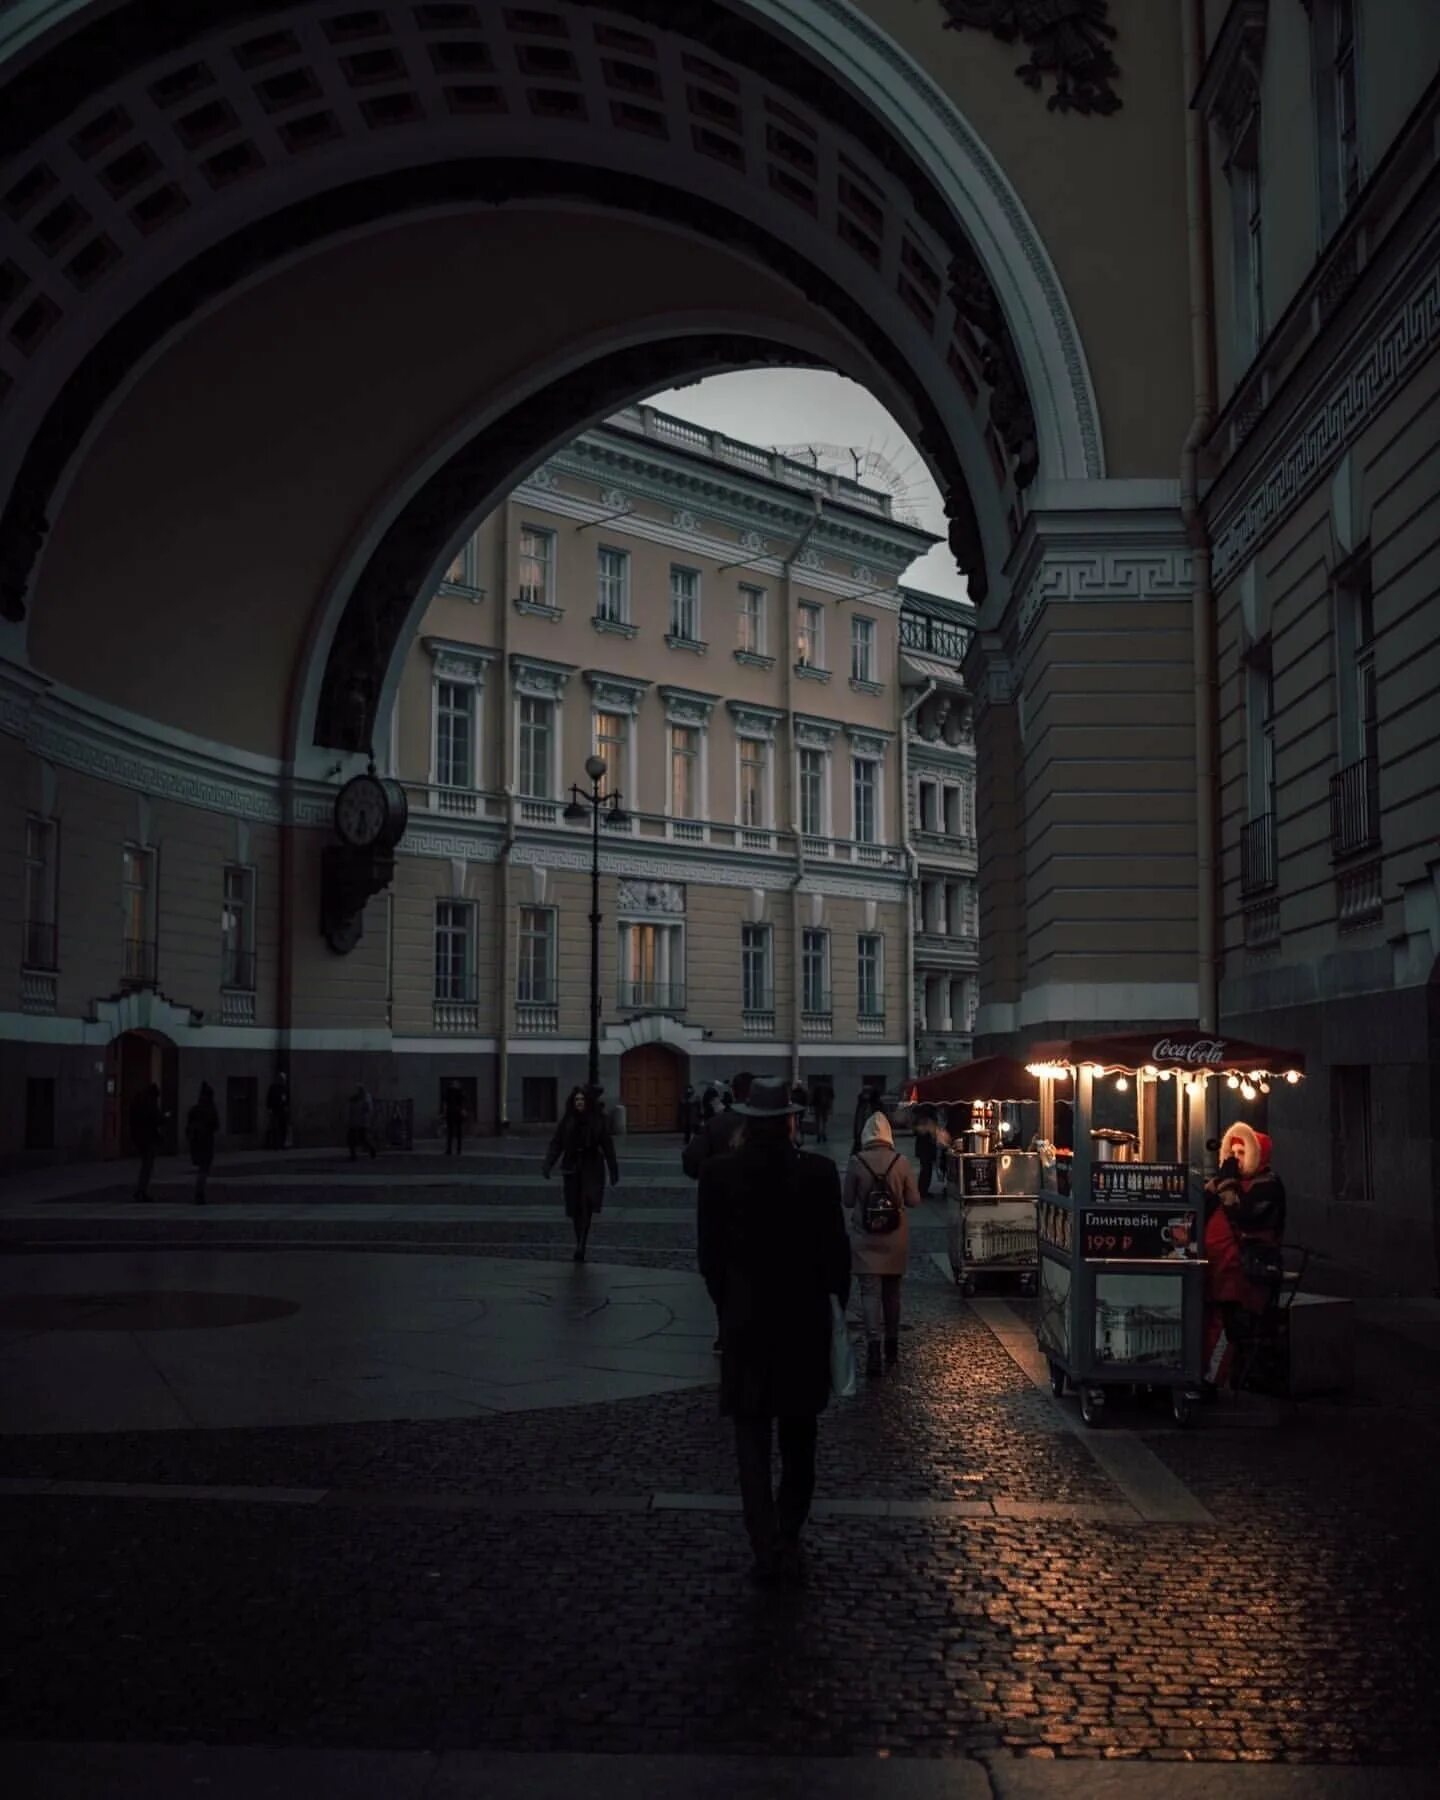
[139, 964]
[1355, 807]
[652, 996]
[41, 945]
[933, 637]
[1257, 855]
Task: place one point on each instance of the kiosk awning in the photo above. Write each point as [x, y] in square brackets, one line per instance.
[1194, 1052]
[991, 1078]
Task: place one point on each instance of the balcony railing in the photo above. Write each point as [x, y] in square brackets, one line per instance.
[652, 996]
[457, 1018]
[1257, 855]
[537, 1018]
[870, 1022]
[933, 637]
[1357, 896]
[39, 989]
[139, 963]
[816, 1016]
[758, 1021]
[237, 1006]
[41, 945]
[1355, 807]
[237, 969]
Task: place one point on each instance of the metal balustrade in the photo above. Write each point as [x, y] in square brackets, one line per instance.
[1257, 855]
[537, 1018]
[1355, 807]
[652, 996]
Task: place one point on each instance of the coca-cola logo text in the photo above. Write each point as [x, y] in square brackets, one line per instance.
[1204, 1052]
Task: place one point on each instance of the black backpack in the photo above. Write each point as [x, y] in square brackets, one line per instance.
[879, 1209]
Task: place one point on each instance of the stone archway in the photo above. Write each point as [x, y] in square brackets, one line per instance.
[133, 1060]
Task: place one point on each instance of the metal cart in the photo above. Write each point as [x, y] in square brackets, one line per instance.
[1122, 1270]
[997, 1192]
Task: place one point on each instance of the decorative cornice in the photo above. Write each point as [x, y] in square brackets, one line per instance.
[808, 672]
[616, 693]
[754, 721]
[752, 659]
[460, 662]
[866, 741]
[695, 646]
[873, 688]
[1068, 40]
[684, 706]
[614, 627]
[535, 609]
[1317, 433]
[1098, 555]
[541, 679]
[772, 875]
[1229, 89]
[812, 733]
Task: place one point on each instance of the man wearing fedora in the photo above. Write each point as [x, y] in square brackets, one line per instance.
[773, 1249]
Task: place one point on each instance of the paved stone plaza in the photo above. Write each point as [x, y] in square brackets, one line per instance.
[350, 1478]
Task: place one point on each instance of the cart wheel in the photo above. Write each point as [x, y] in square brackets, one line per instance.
[1182, 1407]
[967, 1285]
[1057, 1381]
[1092, 1406]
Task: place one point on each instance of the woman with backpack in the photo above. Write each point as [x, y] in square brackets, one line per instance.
[584, 1149]
[879, 1186]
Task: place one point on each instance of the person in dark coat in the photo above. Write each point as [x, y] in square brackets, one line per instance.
[1245, 1205]
[709, 1103]
[277, 1107]
[146, 1118]
[867, 1104]
[689, 1114]
[773, 1250]
[797, 1098]
[454, 1118]
[822, 1099]
[583, 1148]
[720, 1132]
[202, 1127]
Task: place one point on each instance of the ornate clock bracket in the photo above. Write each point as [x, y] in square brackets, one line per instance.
[362, 864]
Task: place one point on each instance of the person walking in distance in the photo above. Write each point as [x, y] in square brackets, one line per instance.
[879, 1187]
[822, 1100]
[867, 1104]
[772, 1252]
[454, 1118]
[585, 1151]
[277, 1111]
[931, 1142]
[358, 1135]
[146, 1118]
[202, 1127]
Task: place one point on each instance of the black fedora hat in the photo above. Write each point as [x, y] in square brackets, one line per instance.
[766, 1100]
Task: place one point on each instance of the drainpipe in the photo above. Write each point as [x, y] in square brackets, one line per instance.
[912, 859]
[503, 988]
[1202, 358]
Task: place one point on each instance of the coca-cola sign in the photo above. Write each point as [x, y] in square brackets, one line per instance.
[1201, 1053]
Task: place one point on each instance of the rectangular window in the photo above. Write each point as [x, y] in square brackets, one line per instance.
[752, 620]
[537, 740]
[685, 604]
[652, 967]
[953, 826]
[756, 988]
[754, 783]
[1247, 240]
[539, 1104]
[1355, 631]
[612, 734]
[862, 648]
[40, 1112]
[137, 907]
[684, 772]
[810, 635]
[40, 947]
[612, 593]
[815, 972]
[461, 572]
[1332, 56]
[870, 949]
[1351, 1134]
[241, 1105]
[812, 793]
[537, 566]
[237, 928]
[454, 944]
[1346, 112]
[535, 976]
[929, 810]
[867, 792]
[454, 734]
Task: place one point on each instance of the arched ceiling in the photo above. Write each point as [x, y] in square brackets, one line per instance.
[159, 157]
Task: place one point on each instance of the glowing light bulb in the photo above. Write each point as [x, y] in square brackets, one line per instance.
[1232, 1081]
[1097, 1070]
[1264, 1087]
[1164, 1074]
[1246, 1091]
[1292, 1076]
[1150, 1071]
[1121, 1084]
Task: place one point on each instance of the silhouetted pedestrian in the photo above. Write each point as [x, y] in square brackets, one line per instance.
[146, 1118]
[585, 1151]
[454, 1118]
[822, 1099]
[202, 1127]
[773, 1251]
[358, 1135]
[277, 1111]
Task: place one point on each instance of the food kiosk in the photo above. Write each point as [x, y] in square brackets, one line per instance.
[994, 1183]
[1121, 1255]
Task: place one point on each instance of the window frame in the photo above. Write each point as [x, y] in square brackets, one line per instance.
[693, 599]
[822, 824]
[811, 938]
[148, 891]
[472, 724]
[467, 559]
[620, 777]
[669, 938]
[766, 748]
[757, 951]
[47, 863]
[754, 625]
[809, 643]
[864, 644]
[697, 766]
[622, 615]
[549, 564]
[451, 932]
[874, 940]
[1244, 176]
[550, 939]
[877, 823]
[245, 950]
[552, 782]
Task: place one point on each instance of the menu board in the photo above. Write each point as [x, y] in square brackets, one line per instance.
[1169, 1233]
[979, 1177]
[1119, 1183]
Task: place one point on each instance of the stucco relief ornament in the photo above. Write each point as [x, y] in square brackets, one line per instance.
[1011, 413]
[1068, 40]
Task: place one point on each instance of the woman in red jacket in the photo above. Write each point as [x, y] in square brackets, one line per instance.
[1246, 1207]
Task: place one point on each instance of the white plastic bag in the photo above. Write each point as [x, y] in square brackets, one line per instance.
[842, 1354]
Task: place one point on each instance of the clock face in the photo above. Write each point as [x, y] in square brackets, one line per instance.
[361, 811]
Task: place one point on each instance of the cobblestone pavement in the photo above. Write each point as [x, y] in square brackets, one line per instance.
[414, 1610]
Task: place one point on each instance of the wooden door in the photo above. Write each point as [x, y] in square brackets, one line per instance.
[650, 1088]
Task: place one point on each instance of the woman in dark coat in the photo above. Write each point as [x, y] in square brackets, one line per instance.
[773, 1251]
[202, 1127]
[583, 1147]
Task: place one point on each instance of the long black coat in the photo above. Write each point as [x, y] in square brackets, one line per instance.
[773, 1249]
[585, 1150]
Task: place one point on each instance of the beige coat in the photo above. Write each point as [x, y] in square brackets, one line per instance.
[874, 1253]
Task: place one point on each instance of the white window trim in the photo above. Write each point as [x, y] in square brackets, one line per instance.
[877, 764]
[826, 970]
[815, 609]
[766, 1003]
[552, 954]
[624, 555]
[247, 935]
[879, 937]
[477, 692]
[628, 773]
[768, 744]
[557, 762]
[702, 773]
[762, 647]
[671, 952]
[467, 582]
[697, 636]
[552, 565]
[152, 886]
[873, 647]
[827, 815]
[471, 971]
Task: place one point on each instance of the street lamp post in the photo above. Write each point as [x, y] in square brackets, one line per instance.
[593, 803]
